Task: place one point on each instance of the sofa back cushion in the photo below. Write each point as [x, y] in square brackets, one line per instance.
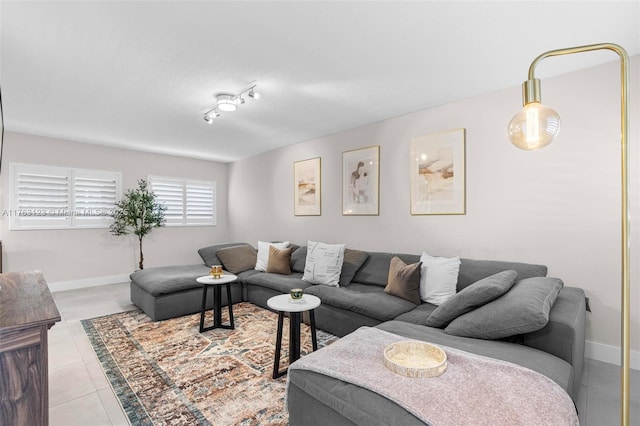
[353, 260]
[208, 254]
[375, 270]
[474, 270]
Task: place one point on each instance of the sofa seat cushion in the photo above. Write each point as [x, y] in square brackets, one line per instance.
[418, 315]
[551, 366]
[169, 279]
[368, 300]
[281, 283]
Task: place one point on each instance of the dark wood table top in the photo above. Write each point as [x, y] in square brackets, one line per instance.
[25, 301]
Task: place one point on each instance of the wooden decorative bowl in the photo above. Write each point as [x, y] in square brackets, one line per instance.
[415, 359]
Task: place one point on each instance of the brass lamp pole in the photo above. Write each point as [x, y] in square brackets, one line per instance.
[536, 126]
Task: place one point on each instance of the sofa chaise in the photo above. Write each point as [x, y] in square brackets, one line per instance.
[556, 350]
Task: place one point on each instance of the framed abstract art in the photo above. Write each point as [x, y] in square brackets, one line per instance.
[361, 181]
[307, 191]
[437, 170]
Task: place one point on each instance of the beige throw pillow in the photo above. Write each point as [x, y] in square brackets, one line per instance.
[404, 280]
[263, 253]
[237, 259]
[279, 261]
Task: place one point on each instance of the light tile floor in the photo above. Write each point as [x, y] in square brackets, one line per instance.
[79, 394]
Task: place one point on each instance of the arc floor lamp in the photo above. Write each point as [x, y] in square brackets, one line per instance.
[536, 125]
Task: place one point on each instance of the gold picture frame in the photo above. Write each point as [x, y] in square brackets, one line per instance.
[438, 175]
[361, 182]
[307, 187]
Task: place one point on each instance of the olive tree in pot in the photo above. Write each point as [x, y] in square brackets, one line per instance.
[138, 213]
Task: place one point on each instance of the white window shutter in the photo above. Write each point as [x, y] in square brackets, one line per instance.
[40, 197]
[188, 202]
[49, 197]
[200, 203]
[171, 194]
[95, 196]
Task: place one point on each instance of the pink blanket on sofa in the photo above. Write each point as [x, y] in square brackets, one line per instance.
[473, 390]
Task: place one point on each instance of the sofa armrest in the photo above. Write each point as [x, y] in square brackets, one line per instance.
[564, 335]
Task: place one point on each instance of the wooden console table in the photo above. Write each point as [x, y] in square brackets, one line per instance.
[27, 312]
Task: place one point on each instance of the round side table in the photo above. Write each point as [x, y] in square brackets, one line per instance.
[284, 303]
[208, 281]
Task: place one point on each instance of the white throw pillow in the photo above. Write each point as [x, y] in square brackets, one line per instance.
[438, 278]
[324, 263]
[263, 253]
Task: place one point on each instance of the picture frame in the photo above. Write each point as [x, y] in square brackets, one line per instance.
[307, 187]
[361, 182]
[438, 173]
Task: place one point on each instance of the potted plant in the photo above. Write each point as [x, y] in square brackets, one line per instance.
[138, 213]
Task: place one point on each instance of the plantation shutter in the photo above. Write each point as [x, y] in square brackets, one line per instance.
[200, 203]
[188, 202]
[171, 194]
[48, 197]
[40, 198]
[95, 196]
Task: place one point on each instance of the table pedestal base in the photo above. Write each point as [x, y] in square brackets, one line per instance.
[295, 318]
[217, 307]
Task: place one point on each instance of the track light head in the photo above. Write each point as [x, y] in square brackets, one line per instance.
[253, 94]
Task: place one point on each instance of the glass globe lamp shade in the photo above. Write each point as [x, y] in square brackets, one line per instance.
[534, 127]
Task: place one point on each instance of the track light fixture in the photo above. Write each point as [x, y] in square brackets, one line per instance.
[227, 103]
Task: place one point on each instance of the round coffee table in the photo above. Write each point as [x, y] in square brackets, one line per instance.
[284, 303]
[208, 281]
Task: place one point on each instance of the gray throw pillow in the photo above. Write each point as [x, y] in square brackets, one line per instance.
[471, 297]
[238, 259]
[523, 309]
[353, 260]
[298, 259]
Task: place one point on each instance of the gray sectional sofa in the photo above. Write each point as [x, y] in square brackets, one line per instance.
[556, 350]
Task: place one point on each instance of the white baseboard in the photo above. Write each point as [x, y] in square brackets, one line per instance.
[610, 354]
[88, 282]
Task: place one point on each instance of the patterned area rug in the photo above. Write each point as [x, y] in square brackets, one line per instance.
[167, 373]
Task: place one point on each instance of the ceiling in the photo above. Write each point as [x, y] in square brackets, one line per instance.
[139, 74]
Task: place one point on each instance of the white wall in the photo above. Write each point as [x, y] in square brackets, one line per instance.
[559, 206]
[94, 255]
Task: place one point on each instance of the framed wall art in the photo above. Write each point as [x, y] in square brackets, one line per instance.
[361, 181]
[437, 170]
[307, 191]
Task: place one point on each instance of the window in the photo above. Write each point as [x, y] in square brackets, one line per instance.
[48, 197]
[188, 202]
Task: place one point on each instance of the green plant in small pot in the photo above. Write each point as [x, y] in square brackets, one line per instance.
[138, 213]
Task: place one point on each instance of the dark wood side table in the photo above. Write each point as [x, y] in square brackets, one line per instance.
[283, 303]
[27, 312]
[208, 281]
